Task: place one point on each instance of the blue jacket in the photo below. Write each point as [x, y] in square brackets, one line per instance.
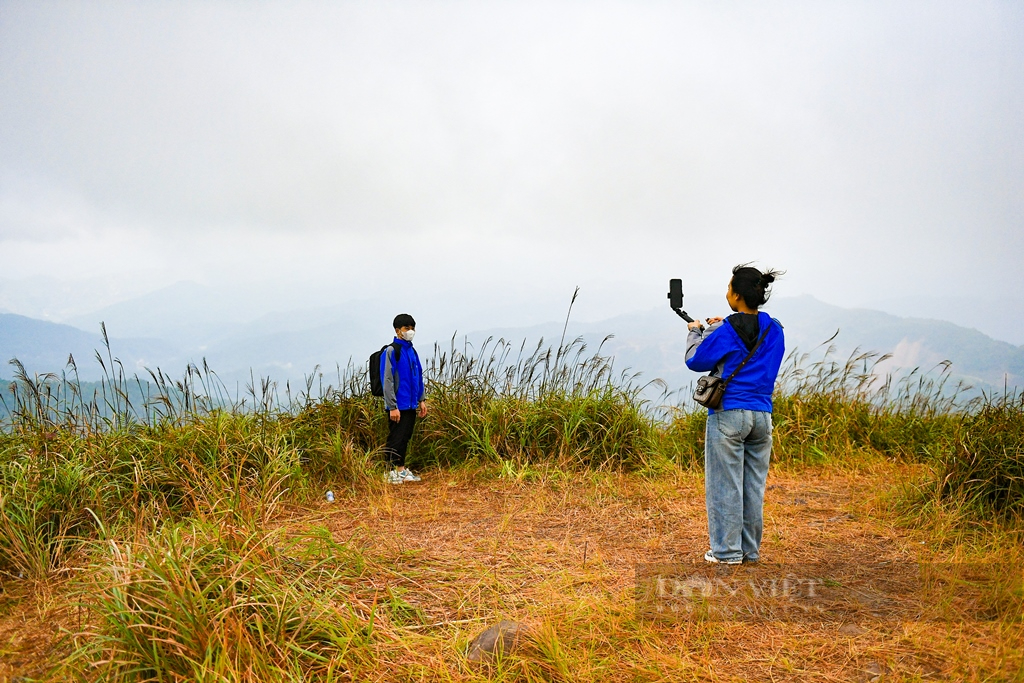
[402, 382]
[752, 387]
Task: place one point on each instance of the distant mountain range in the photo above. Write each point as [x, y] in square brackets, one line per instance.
[43, 346]
[163, 330]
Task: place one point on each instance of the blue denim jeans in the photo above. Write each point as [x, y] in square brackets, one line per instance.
[737, 448]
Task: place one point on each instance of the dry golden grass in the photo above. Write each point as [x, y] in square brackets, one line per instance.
[557, 551]
[560, 552]
[33, 617]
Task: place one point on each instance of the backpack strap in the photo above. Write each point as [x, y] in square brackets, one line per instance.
[398, 354]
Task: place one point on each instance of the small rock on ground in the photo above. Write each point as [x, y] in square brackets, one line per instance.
[851, 629]
[872, 671]
[498, 640]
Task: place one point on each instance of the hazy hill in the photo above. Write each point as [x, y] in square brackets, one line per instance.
[186, 312]
[43, 346]
[1000, 317]
[912, 341]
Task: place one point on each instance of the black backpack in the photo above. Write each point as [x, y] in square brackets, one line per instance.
[376, 386]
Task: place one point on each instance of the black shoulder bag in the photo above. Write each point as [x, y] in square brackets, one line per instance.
[711, 390]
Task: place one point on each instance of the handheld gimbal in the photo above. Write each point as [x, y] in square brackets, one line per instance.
[675, 298]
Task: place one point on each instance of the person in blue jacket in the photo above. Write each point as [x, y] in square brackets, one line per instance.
[738, 441]
[402, 379]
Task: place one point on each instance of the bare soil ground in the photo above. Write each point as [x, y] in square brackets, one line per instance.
[462, 550]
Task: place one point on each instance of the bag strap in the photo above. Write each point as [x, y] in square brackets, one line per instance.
[397, 349]
[749, 356]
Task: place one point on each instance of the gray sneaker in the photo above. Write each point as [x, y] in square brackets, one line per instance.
[394, 477]
[407, 475]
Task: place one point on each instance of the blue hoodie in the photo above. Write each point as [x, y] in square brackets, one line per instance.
[752, 387]
[402, 382]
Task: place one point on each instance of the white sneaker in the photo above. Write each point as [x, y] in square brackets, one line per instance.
[394, 477]
[709, 557]
[407, 475]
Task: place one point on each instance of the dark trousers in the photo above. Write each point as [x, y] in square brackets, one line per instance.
[399, 434]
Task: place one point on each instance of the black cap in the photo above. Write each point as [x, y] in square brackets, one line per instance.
[404, 320]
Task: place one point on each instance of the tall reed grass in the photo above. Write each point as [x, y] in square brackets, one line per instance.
[828, 408]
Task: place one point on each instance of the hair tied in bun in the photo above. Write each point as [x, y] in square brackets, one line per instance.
[751, 284]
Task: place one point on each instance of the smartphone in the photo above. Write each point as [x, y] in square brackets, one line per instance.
[675, 293]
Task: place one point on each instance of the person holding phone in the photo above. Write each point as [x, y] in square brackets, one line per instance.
[749, 346]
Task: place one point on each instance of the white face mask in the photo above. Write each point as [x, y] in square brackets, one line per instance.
[408, 335]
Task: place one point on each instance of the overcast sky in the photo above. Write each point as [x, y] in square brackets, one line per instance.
[512, 150]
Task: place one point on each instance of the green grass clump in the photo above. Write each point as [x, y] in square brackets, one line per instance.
[216, 602]
[983, 466]
[548, 405]
[597, 430]
[682, 438]
[56, 491]
[44, 507]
